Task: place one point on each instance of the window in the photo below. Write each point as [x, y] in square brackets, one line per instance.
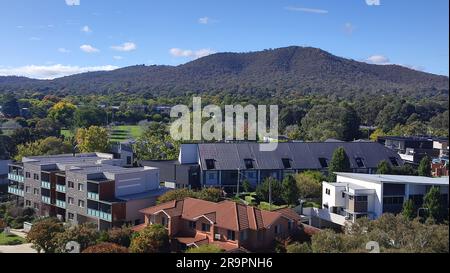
[323, 162]
[192, 225]
[27, 189]
[71, 216]
[231, 235]
[328, 191]
[286, 163]
[36, 206]
[361, 198]
[290, 225]
[36, 191]
[210, 164]
[164, 221]
[28, 203]
[206, 227]
[243, 235]
[394, 161]
[70, 200]
[28, 175]
[71, 185]
[360, 162]
[36, 176]
[212, 176]
[277, 229]
[248, 163]
[343, 194]
[128, 160]
[80, 187]
[81, 203]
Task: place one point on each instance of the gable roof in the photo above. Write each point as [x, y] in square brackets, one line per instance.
[303, 155]
[226, 214]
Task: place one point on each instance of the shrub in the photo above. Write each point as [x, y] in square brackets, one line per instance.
[106, 248]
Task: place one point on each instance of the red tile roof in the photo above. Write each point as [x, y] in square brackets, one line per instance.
[226, 214]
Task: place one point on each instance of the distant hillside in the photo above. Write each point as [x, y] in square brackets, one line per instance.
[298, 70]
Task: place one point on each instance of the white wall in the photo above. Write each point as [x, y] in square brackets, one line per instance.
[188, 154]
[137, 182]
[377, 199]
[335, 198]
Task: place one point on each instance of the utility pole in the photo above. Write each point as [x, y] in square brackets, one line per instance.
[270, 194]
[238, 181]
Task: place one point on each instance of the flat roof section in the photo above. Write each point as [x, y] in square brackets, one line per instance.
[385, 178]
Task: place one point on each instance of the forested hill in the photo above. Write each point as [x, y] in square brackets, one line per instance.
[290, 70]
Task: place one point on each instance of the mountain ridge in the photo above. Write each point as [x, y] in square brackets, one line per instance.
[300, 70]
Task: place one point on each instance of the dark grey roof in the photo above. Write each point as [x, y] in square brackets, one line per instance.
[304, 155]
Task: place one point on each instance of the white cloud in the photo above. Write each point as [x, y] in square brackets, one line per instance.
[349, 28]
[204, 20]
[117, 57]
[187, 53]
[72, 2]
[63, 50]
[125, 47]
[86, 29]
[378, 59]
[89, 49]
[373, 2]
[309, 10]
[51, 71]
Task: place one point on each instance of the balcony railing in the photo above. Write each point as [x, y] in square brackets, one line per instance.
[100, 214]
[93, 196]
[15, 191]
[16, 177]
[46, 200]
[60, 188]
[46, 185]
[60, 204]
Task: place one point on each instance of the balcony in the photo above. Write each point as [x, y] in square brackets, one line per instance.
[100, 214]
[15, 191]
[46, 185]
[61, 188]
[93, 196]
[46, 200]
[60, 204]
[16, 177]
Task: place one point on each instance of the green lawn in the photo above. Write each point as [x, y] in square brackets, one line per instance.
[117, 133]
[11, 240]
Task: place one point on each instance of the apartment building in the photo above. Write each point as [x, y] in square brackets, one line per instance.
[226, 165]
[354, 196]
[84, 188]
[228, 225]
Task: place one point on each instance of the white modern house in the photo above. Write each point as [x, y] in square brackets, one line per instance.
[356, 195]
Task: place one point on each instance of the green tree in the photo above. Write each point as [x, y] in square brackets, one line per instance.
[93, 139]
[273, 186]
[63, 113]
[88, 116]
[339, 163]
[156, 144]
[43, 233]
[246, 186]
[425, 167]
[290, 192]
[152, 239]
[308, 186]
[10, 106]
[409, 209]
[119, 236]
[86, 235]
[384, 168]
[206, 248]
[48, 146]
[432, 202]
[298, 247]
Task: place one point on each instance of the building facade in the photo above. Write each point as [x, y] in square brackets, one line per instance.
[227, 165]
[354, 196]
[84, 188]
[228, 225]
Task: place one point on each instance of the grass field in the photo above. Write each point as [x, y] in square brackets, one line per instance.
[10, 240]
[117, 133]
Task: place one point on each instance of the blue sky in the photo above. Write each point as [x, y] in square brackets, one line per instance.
[49, 38]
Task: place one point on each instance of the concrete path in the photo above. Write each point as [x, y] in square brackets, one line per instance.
[25, 248]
